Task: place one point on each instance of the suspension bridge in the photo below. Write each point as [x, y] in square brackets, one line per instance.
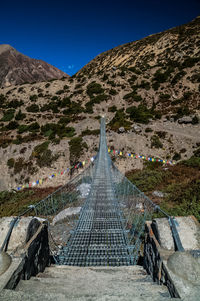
[112, 219]
[108, 234]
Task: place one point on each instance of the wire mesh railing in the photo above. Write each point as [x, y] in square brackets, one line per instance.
[111, 222]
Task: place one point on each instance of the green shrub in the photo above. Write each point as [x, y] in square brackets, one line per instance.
[182, 111]
[177, 77]
[112, 83]
[112, 92]
[176, 157]
[135, 70]
[140, 114]
[33, 108]
[194, 161]
[8, 115]
[54, 97]
[147, 180]
[164, 96]
[20, 116]
[47, 85]
[46, 158]
[19, 165]
[15, 104]
[11, 163]
[12, 125]
[73, 108]
[40, 148]
[144, 85]
[148, 130]
[112, 109]
[105, 77]
[70, 131]
[33, 97]
[195, 120]
[190, 62]
[76, 149]
[133, 96]
[77, 86]
[88, 132]
[2, 100]
[132, 79]
[23, 128]
[99, 98]
[64, 120]
[44, 155]
[59, 92]
[119, 120]
[89, 107]
[34, 127]
[161, 134]
[155, 86]
[155, 142]
[94, 88]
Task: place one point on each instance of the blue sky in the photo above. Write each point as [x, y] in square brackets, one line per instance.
[68, 34]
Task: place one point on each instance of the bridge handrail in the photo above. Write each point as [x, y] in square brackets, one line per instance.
[30, 208]
[171, 220]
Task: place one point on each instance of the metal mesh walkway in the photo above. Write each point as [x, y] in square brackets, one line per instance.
[100, 237]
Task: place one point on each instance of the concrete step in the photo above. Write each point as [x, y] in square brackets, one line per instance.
[10, 295]
[63, 271]
[102, 283]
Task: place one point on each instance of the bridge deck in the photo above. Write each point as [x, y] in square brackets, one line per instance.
[99, 237]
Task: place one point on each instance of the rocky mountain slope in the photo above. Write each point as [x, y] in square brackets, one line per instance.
[148, 89]
[16, 68]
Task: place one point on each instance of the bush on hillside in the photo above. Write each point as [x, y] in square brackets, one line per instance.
[8, 115]
[20, 115]
[33, 108]
[155, 142]
[94, 88]
[33, 97]
[119, 120]
[140, 114]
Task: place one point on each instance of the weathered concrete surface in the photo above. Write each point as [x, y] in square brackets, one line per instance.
[20, 231]
[89, 284]
[184, 271]
[180, 271]
[188, 229]
[5, 262]
[30, 256]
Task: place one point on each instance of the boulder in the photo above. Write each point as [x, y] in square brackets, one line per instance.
[137, 128]
[121, 129]
[185, 120]
[159, 194]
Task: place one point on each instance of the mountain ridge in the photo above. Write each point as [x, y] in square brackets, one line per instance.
[152, 108]
[17, 68]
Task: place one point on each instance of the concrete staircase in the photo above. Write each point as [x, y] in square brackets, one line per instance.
[59, 283]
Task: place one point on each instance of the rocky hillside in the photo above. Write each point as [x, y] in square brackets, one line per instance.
[16, 68]
[148, 89]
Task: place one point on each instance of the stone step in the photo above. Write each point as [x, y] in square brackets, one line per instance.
[60, 271]
[10, 295]
[95, 284]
